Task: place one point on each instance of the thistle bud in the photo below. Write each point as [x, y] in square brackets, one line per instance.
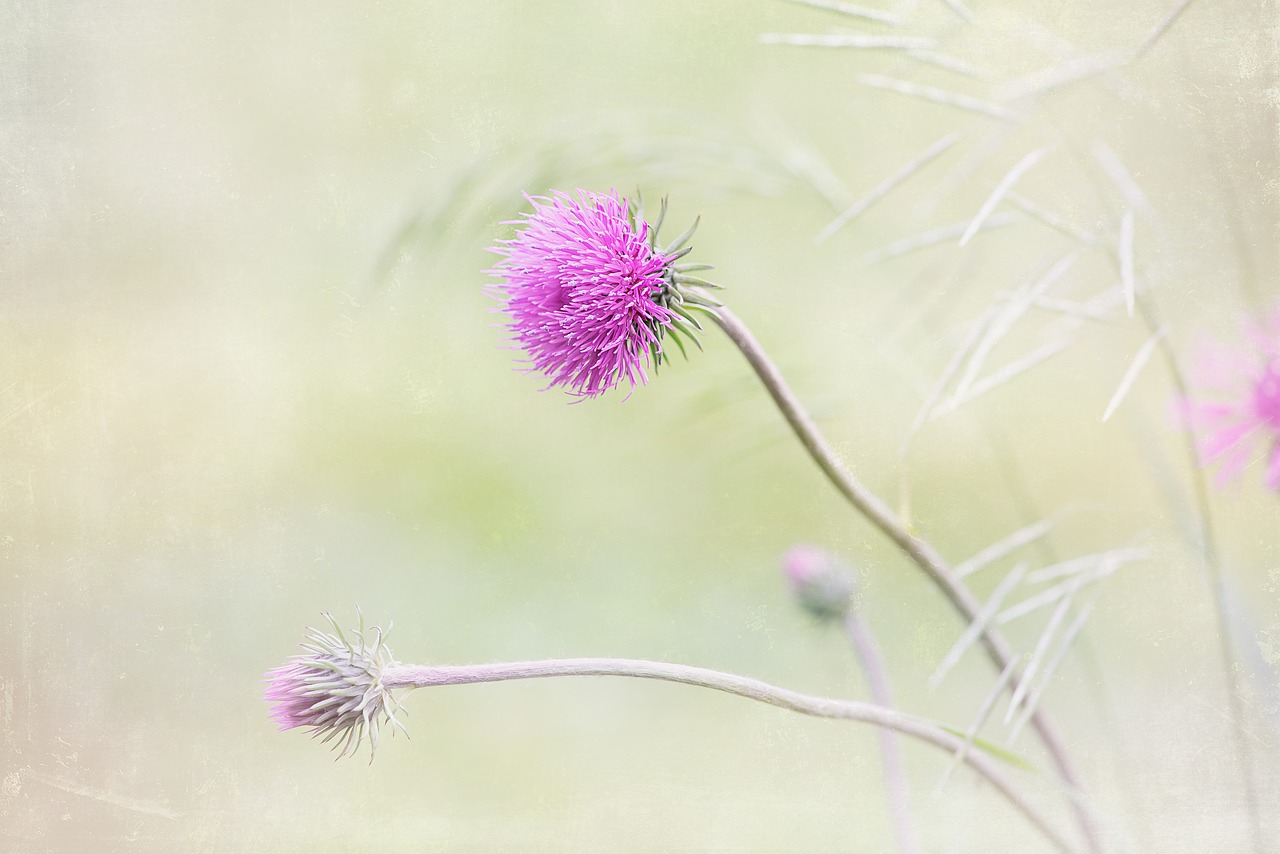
[822, 584]
[336, 688]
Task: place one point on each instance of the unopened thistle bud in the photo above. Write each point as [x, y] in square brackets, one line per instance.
[336, 688]
[822, 584]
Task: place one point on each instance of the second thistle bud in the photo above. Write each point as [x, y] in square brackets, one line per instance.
[823, 585]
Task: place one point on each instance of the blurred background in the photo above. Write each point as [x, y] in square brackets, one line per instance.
[249, 374]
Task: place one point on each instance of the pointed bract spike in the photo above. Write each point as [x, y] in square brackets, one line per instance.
[694, 280]
[682, 239]
[693, 298]
[709, 311]
[675, 336]
[662, 217]
[684, 312]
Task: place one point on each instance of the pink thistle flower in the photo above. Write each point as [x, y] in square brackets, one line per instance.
[1240, 406]
[590, 295]
[336, 689]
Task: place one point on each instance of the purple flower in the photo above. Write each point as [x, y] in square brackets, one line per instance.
[1238, 405]
[335, 689]
[589, 294]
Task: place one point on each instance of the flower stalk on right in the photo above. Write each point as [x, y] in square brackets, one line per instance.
[916, 549]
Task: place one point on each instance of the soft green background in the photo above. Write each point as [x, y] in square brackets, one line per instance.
[249, 375]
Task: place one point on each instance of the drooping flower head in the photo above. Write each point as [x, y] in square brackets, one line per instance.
[820, 581]
[336, 689]
[1235, 406]
[590, 295]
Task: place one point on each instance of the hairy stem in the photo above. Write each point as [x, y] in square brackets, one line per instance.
[420, 676]
[895, 775]
[921, 553]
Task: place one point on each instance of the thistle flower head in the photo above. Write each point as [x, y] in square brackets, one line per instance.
[1235, 406]
[822, 584]
[335, 689]
[590, 295]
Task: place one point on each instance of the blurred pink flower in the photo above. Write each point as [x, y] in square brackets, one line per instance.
[587, 291]
[1235, 402]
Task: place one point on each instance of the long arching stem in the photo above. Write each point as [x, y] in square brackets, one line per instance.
[919, 551]
[419, 676]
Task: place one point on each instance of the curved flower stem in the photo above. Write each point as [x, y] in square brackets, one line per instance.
[895, 776]
[420, 676]
[919, 551]
[1208, 550]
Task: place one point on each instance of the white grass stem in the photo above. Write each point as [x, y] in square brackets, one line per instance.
[1003, 548]
[1056, 593]
[1125, 252]
[1041, 648]
[933, 237]
[1051, 219]
[979, 721]
[1063, 74]
[948, 373]
[860, 41]
[949, 63]
[851, 10]
[1161, 28]
[1140, 360]
[1120, 175]
[1006, 183]
[940, 96]
[1046, 678]
[1006, 373]
[887, 185]
[977, 625]
[1006, 318]
[1073, 566]
[965, 13]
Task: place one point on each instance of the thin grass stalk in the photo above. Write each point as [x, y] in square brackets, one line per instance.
[1217, 583]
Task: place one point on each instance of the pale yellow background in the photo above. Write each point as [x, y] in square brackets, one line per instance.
[248, 374]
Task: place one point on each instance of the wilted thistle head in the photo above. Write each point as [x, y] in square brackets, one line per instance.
[822, 584]
[1236, 403]
[335, 689]
[590, 295]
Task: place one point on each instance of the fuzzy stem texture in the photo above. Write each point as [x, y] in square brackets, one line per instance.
[921, 553]
[895, 775]
[425, 676]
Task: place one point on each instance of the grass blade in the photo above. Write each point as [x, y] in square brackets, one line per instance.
[887, 185]
[940, 96]
[979, 624]
[1140, 360]
[1004, 548]
[1006, 183]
